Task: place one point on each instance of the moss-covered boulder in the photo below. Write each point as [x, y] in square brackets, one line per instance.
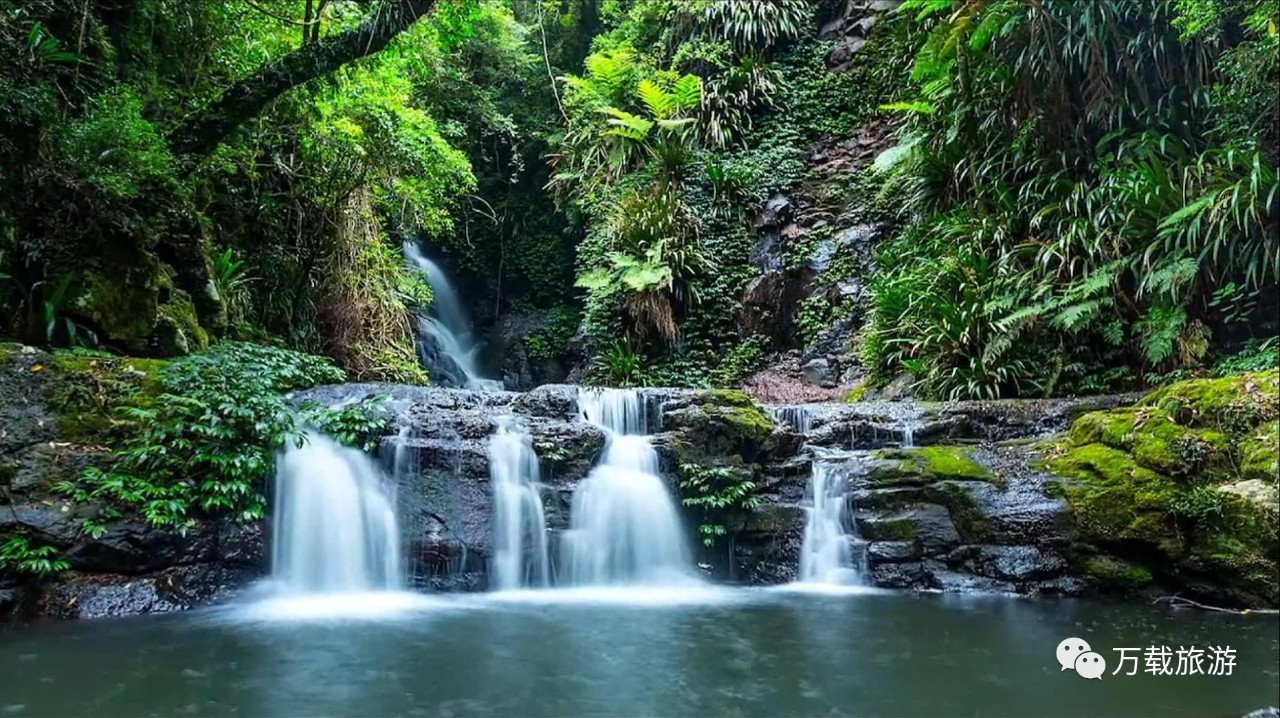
[719, 427]
[1179, 490]
[927, 464]
[138, 309]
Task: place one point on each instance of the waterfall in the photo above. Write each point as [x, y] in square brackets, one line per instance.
[445, 344]
[520, 526]
[827, 555]
[798, 418]
[624, 527]
[334, 528]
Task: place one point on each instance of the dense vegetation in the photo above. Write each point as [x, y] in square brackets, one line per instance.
[1066, 197]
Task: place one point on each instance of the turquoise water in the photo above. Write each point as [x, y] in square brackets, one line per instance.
[715, 652]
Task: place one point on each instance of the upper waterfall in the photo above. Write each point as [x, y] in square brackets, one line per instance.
[445, 342]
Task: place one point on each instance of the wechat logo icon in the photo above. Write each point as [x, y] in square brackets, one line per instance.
[1075, 654]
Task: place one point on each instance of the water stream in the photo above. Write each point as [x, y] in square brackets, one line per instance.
[520, 525]
[624, 527]
[334, 528]
[832, 552]
[446, 345]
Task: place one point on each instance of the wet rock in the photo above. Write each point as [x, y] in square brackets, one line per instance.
[1012, 563]
[175, 589]
[552, 401]
[899, 575]
[776, 211]
[566, 450]
[817, 371]
[893, 551]
[950, 581]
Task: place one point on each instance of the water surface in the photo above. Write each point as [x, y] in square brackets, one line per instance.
[626, 653]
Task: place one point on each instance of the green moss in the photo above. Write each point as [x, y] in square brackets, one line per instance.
[1112, 428]
[1260, 452]
[856, 393]
[177, 329]
[933, 463]
[1181, 485]
[123, 304]
[896, 529]
[970, 522]
[1155, 440]
[733, 419]
[1220, 403]
[1115, 499]
[86, 393]
[1109, 572]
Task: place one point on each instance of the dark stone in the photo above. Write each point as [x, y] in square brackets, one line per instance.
[1012, 563]
[817, 371]
[552, 401]
[893, 551]
[899, 575]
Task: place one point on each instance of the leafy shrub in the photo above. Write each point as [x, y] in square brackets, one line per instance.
[718, 492]
[18, 555]
[204, 443]
[112, 147]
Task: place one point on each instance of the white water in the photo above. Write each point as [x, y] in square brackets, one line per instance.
[445, 331]
[827, 554]
[334, 529]
[624, 528]
[520, 525]
[799, 418]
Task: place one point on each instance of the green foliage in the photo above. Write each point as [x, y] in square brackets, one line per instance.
[620, 365]
[718, 493]
[18, 555]
[1069, 212]
[114, 149]
[204, 444]
[553, 339]
[361, 424]
[1254, 356]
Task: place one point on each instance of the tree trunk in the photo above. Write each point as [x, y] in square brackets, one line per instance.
[244, 100]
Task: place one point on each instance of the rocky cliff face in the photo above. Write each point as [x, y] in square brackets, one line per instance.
[985, 496]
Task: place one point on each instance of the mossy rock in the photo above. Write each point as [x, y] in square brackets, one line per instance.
[1115, 499]
[889, 529]
[1156, 441]
[720, 427]
[932, 463]
[177, 330]
[1259, 452]
[86, 393]
[1109, 573]
[1181, 486]
[1226, 403]
[969, 520]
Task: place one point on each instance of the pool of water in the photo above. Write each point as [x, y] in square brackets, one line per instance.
[584, 653]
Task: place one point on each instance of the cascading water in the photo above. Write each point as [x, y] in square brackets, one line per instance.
[798, 418]
[445, 344]
[827, 555]
[624, 528]
[334, 528]
[520, 525]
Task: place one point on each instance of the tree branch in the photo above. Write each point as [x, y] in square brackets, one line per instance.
[203, 132]
[1180, 602]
